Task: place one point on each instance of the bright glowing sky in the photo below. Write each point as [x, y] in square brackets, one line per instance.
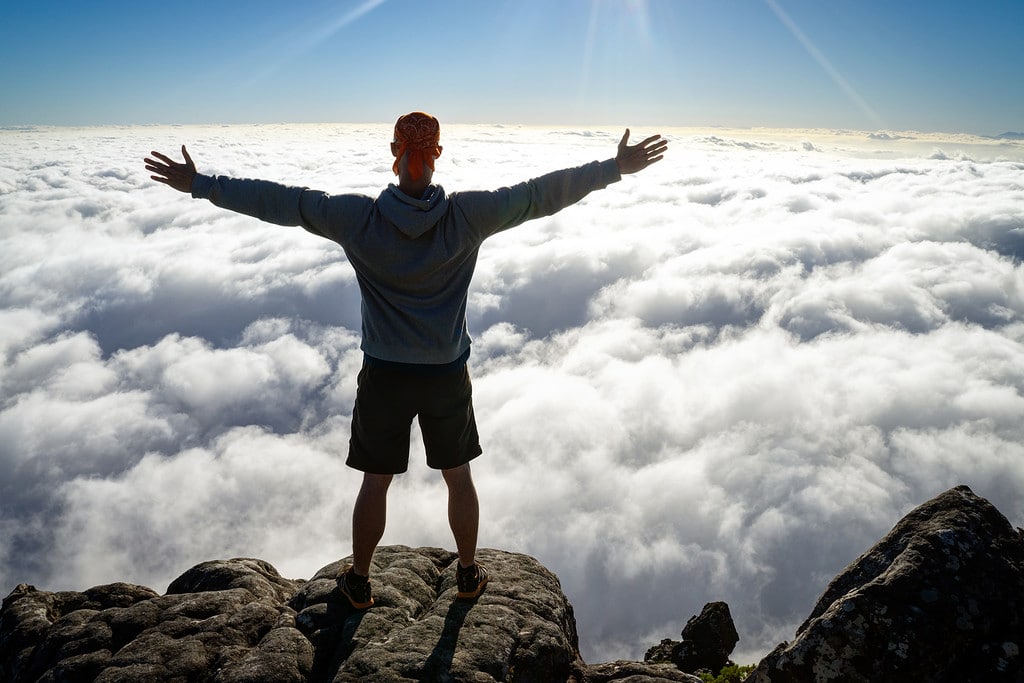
[866, 65]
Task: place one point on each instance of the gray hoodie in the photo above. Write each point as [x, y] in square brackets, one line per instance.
[414, 258]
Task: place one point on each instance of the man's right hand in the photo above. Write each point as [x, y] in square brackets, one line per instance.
[169, 172]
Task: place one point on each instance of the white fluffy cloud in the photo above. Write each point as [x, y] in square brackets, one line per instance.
[721, 379]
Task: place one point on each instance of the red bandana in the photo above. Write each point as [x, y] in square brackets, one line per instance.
[418, 134]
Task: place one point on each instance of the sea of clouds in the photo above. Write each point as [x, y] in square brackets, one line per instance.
[721, 379]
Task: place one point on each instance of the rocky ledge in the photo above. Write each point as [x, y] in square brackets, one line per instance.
[941, 598]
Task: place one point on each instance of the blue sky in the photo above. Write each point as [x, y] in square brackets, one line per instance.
[865, 64]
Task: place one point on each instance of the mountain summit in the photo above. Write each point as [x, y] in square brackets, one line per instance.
[940, 598]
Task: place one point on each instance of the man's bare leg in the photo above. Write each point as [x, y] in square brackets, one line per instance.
[369, 517]
[463, 512]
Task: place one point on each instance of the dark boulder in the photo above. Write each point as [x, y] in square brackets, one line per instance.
[708, 640]
[662, 652]
[940, 598]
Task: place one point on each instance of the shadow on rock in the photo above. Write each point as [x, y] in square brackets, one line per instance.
[439, 664]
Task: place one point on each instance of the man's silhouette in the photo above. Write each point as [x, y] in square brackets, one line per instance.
[414, 250]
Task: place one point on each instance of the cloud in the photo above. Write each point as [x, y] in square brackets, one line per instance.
[721, 379]
[882, 135]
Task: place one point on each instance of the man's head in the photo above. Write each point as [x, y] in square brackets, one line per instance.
[416, 136]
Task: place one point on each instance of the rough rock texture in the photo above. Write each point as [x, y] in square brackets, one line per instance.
[221, 621]
[940, 598]
[238, 620]
[662, 652]
[521, 629]
[633, 672]
[708, 640]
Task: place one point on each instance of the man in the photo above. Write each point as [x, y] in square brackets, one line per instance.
[414, 250]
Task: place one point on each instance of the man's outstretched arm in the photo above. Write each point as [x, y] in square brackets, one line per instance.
[266, 200]
[494, 211]
[170, 172]
[262, 199]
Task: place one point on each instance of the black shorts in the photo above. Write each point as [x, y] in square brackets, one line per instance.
[386, 402]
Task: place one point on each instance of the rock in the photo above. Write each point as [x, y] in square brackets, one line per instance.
[521, 628]
[633, 672]
[232, 616]
[662, 652]
[940, 598]
[239, 621]
[708, 640]
[256, 576]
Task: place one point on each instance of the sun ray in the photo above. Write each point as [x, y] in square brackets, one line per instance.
[824, 63]
[588, 50]
[341, 22]
[302, 46]
[610, 20]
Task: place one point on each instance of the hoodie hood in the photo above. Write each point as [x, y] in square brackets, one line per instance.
[413, 217]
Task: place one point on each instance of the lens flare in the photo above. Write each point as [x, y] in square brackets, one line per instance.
[823, 62]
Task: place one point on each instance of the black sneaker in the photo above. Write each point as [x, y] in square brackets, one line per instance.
[471, 581]
[357, 592]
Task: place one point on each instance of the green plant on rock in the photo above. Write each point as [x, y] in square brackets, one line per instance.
[730, 673]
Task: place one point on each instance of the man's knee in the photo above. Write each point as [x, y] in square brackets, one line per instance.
[377, 482]
[458, 476]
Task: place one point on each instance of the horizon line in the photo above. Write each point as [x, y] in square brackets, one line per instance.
[884, 134]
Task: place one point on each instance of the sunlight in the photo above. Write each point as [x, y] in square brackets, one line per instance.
[620, 17]
[333, 27]
[823, 62]
[638, 13]
[300, 46]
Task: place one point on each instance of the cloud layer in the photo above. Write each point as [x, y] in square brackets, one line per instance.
[721, 379]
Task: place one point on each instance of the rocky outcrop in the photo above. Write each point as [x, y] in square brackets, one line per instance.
[239, 620]
[220, 618]
[940, 598]
[633, 672]
[522, 628]
[708, 640]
